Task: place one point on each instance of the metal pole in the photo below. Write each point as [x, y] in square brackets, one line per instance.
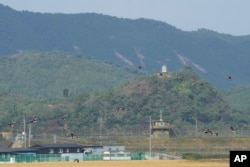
[55, 138]
[196, 124]
[196, 128]
[29, 133]
[101, 131]
[150, 140]
[24, 131]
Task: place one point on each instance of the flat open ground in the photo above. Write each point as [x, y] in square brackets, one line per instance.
[145, 163]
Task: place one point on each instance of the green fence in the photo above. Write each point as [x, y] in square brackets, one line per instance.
[39, 158]
[92, 157]
[138, 156]
[60, 157]
[5, 158]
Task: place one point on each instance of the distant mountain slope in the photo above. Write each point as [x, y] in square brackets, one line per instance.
[46, 75]
[143, 42]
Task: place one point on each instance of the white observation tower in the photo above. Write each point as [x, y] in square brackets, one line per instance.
[164, 69]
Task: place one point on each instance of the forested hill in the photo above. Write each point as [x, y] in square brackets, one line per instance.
[47, 75]
[181, 96]
[143, 42]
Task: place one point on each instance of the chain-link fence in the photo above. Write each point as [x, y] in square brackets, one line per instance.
[19, 158]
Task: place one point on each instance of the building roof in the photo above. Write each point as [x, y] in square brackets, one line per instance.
[92, 146]
[58, 145]
[17, 150]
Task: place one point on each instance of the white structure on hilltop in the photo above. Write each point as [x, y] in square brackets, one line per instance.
[164, 72]
[164, 69]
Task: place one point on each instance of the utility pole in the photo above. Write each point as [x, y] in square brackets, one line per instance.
[150, 140]
[196, 124]
[101, 120]
[24, 131]
[29, 133]
[55, 138]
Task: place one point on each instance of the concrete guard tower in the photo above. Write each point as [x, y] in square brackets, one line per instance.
[160, 128]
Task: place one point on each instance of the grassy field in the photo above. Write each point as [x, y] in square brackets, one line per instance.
[145, 163]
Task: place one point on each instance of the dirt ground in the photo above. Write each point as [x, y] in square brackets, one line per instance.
[144, 163]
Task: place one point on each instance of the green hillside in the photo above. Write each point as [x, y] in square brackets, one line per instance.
[239, 98]
[46, 75]
[181, 96]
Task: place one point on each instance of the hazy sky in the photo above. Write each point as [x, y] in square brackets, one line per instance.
[224, 16]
